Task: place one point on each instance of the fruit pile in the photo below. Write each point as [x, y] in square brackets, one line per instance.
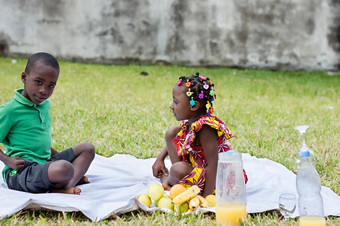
[179, 199]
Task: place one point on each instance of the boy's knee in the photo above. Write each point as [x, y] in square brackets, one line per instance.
[60, 171]
[89, 147]
[90, 150]
[85, 148]
[172, 133]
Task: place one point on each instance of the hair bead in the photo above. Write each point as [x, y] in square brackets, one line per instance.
[199, 88]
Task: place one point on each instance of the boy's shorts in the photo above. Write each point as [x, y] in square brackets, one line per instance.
[33, 177]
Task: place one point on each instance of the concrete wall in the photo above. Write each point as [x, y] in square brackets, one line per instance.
[276, 34]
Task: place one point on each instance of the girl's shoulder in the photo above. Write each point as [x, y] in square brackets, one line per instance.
[214, 123]
[209, 120]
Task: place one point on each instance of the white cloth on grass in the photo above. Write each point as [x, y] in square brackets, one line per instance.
[116, 181]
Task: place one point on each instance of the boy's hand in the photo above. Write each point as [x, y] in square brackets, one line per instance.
[15, 163]
[53, 151]
[158, 169]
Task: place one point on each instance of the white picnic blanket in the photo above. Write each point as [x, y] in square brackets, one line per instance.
[116, 181]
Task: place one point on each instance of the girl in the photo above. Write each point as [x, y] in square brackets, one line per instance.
[193, 146]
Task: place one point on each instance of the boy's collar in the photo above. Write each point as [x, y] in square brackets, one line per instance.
[23, 100]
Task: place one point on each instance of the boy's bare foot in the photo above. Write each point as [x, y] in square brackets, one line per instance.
[83, 180]
[166, 186]
[73, 191]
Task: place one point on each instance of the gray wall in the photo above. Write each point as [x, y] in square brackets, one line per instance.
[276, 34]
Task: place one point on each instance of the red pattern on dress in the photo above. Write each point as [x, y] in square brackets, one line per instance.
[186, 146]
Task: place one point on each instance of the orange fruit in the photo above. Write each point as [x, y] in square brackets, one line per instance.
[176, 190]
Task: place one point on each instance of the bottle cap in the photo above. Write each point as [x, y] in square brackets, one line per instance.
[304, 154]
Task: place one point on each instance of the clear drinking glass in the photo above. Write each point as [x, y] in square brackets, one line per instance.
[287, 204]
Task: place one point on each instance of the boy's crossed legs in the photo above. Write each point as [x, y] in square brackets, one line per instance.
[59, 174]
[66, 175]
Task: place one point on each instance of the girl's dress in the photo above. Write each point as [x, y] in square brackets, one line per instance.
[192, 152]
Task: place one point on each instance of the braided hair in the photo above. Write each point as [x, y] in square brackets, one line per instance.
[200, 89]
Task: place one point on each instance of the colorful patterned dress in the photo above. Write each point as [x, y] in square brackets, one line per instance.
[193, 153]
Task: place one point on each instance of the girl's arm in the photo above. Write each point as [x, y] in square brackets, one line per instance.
[208, 138]
[158, 168]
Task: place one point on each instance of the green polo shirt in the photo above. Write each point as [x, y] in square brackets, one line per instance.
[25, 129]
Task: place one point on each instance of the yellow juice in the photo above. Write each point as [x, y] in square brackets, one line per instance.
[231, 213]
[312, 221]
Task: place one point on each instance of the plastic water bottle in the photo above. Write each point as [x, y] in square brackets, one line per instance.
[308, 186]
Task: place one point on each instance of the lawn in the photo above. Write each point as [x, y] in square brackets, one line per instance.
[121, 111]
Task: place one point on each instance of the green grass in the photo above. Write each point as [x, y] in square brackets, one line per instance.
[121, 111]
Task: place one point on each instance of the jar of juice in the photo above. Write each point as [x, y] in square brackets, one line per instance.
[230, 189]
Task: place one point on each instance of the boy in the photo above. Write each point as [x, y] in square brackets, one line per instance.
[32, 165]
